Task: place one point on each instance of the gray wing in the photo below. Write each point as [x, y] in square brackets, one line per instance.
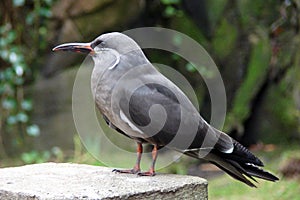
[167, 118]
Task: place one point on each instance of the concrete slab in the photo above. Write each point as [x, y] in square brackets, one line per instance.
[77, 181]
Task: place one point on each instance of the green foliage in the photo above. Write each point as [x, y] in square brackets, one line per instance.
[256, 74]
[216, 9]
[238, 35]
[256, 12]
[14, 105]
[21, 41]
[170, 9]
[35, 157]
[285, 109]
[183, 23]
[225, 39]
[81, 155]
[282, 111]
[170, 2]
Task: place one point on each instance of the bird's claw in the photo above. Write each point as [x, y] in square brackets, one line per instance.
[127, 171]
[134, 171]
[149, 173]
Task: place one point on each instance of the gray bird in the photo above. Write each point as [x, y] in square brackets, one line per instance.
[139, 102]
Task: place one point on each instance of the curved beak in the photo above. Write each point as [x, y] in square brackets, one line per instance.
[75, 47]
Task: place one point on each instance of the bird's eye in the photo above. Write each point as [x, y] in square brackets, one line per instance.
[96, 43]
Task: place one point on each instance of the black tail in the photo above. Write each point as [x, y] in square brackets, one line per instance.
[241, 164]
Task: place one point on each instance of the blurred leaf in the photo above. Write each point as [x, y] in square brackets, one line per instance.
[19, 70]
[18, 2]
[35, 157]
[8, 74]
[56, 151]
[45, 157]
[177, 40]
[217, 8]
[22, 117]
[11, 120]
[5, 88]
[29, 157]
[4, 53]
[204, 71]
[43, 30]
[18, 80]
[48, 2]
[33, 130]
[26, 105]
[9, 104]
[246, 7]
[170, 11]
[250, 10]
[186, 25]
[3, 43]
[175, 56]
[8, 38]
[190, 67]
[30, 18]
[169, 2]
[13, 57]
[225, 39]
[45, 12]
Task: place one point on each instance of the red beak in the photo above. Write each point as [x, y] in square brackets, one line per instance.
[75, 47]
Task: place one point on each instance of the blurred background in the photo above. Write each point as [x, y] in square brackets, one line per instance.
[254, 43]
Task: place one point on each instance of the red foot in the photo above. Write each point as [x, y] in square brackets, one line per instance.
[127, 171]
[149, 173]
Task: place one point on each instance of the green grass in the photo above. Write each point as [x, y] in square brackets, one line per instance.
[226, 188]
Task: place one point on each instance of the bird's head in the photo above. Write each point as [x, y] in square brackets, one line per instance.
[114, 43]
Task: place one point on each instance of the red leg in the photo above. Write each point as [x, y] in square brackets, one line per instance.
[151, 171]
[136, 169]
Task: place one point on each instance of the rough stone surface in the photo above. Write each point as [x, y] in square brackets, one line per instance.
[77, 181]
